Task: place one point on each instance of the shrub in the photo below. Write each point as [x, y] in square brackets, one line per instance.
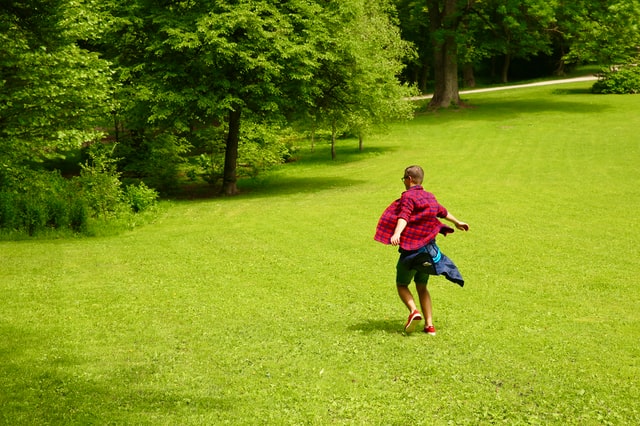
[100, 182]
[156, 159]
[42, 201]
[9, 211]
[619, 80]
[140, 197]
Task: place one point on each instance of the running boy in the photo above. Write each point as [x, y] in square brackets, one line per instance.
[412, 223]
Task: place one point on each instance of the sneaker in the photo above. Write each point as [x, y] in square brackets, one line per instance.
[429, 329]
[412, 322]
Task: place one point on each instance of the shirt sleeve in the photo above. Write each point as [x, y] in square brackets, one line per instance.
[442, 211]
[387, 223]
[406, 207]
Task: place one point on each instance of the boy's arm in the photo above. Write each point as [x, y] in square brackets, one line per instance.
[460, 225]
[395, 238]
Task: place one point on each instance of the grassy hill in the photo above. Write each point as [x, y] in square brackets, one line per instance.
[277, 307]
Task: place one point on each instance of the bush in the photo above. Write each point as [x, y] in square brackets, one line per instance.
[43, 201]
[35, 201]
[155, 159]
[9, 211]
[140, 197]
[619, 80]
[100, 182]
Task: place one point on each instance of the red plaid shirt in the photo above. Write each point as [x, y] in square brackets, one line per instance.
[421, 210]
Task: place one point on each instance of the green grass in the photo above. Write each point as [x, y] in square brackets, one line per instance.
[277, 307]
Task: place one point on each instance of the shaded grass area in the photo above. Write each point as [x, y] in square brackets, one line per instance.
[276, 307]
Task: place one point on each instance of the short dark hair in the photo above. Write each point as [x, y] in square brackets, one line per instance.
[416, 173]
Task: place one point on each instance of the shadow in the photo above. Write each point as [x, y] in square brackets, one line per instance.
[272, 183]
[573, 91]
[375, 326]
[279, 185]
[47, 384]
[494, 109]
[346, 152]
[268, 186]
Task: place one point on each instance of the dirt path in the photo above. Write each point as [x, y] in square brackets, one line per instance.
[516, 86]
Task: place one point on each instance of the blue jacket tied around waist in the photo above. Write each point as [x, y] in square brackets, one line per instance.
[429, 259]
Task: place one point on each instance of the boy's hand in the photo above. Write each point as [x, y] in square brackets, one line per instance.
[462, 226]
[395, 239]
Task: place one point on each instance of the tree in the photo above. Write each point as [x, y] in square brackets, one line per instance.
[195, 64]
[512, 29]
[445, 17]
[356, 86]
[54, 94]
[414, 26]
[603, 32]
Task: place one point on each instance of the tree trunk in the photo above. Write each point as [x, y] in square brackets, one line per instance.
[313, 135]
[443, 24]
[469, 76]
[424, 78]
[360, 142]
[229, 181]
[333, 139]
[504, 78]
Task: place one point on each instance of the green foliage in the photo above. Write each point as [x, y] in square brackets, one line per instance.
[262, 145]
[100, 182]
[507, 30]
[602, 32]
[53, 94]
[39, 202]
[260, 148]
[140, 197]
[357, 86]
[618, 80]
[154, 158]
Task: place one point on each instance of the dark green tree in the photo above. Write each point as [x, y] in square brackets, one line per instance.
[54, 94]
[512, 29]
[600, 31]
[190, 65]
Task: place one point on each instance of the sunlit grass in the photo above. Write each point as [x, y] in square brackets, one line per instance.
[277, 307]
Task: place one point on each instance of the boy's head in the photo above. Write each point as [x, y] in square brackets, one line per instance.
[415, 173]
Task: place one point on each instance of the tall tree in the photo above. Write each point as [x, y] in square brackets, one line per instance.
[186, 65]
[445, 17]
[356, 86]
[201, 63]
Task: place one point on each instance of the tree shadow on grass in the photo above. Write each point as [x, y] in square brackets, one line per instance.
[275, 184]
[496, 109]
[266, 187]
[50, 384]
[573, 91]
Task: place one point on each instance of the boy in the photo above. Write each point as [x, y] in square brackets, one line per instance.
[412, 223]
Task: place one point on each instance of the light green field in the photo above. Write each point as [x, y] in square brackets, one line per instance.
[277, 307]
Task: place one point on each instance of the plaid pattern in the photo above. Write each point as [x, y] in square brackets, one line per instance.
[421, 210]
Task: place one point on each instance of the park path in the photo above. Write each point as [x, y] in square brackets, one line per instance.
[517, 86]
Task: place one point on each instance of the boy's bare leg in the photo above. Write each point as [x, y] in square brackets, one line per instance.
[407, 297]
[425, 303]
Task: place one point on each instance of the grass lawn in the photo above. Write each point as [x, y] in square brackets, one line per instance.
[277, 307]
